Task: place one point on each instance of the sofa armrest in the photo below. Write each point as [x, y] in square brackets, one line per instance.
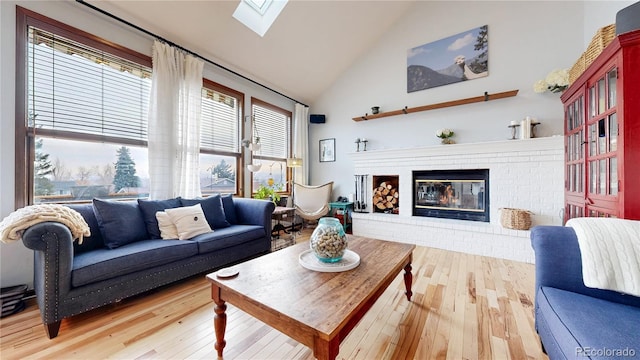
[53, 261]
[254, 212]
[559, 264]
[558, 260]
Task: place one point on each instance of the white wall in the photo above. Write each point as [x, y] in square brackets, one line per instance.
[527, 39]
[16, 261]
[598, 14]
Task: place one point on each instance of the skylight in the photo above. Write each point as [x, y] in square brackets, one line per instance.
[259, 15]
[260, 6]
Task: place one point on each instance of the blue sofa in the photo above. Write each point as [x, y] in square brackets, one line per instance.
[575, 321]
[125, 255]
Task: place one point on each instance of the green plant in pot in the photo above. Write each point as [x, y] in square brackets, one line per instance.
[266, 192]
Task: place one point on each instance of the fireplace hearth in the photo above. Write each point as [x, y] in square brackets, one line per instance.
[452, 194]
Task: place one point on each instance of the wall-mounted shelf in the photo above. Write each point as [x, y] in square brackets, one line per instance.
[485, 97]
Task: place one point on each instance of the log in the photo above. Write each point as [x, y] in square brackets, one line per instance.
[385, 196]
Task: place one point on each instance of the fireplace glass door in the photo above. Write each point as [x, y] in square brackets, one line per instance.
[465, 195]
[455, 194]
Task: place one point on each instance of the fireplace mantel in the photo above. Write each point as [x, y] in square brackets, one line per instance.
[500, 147]
[526, 174]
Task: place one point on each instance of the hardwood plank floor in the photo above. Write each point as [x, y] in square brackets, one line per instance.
[463, 307]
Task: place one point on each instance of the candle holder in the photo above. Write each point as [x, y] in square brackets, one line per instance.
[533, 128]
[514, 130]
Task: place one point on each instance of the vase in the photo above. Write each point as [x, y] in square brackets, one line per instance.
[446, 141]
[328, 241]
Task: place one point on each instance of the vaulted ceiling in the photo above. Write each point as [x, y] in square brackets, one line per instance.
[308, 47]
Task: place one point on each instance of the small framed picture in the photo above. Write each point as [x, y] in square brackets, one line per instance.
[327, 150]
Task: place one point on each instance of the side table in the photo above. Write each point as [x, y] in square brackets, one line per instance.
[342, 211]
[287, 214]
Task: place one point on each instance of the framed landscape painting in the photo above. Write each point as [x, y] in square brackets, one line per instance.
[457, 58]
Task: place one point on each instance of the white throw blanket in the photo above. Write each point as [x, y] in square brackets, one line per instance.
[610, 251]
[13, 226]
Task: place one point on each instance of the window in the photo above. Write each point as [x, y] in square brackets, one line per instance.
[261, 6]
[82, 119]
[259, 15]
[84, 115]
[220, 153]
[273, 126]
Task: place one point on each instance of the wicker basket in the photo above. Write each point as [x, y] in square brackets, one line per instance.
[603, 37]
[577, 69]
[517, 219]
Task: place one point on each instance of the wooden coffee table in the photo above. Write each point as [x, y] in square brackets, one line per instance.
[317, 309]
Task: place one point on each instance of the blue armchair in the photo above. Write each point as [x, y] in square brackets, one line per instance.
[575, 321]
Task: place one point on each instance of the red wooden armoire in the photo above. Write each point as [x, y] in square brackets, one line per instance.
[602, 134]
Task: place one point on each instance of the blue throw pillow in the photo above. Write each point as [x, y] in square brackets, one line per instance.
[213, 210]
[120, 222]
[229, 209]
[94, 241]
[149, 209]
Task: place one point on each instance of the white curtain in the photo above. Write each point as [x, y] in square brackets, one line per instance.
[174, 123]
[301, 142]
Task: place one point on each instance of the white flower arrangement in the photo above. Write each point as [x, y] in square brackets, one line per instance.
[444, 133]
[556, 81]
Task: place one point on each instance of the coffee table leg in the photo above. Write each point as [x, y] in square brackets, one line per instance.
[408, 280]
[326, 350]
[219, 320]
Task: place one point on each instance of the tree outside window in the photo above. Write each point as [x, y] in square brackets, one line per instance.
[125, 176]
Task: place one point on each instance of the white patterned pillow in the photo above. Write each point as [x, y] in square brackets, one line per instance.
[167, 229]
[189, 220]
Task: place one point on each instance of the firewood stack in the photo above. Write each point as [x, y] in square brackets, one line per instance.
[385, 197]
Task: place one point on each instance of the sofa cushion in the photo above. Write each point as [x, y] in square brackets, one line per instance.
[227, 237]
[120, 222]
[572, 324]
[168, 229]
[149, 209]
[189, 221]
[105, 264]
[94, 241]
[213, 210]
[229, 209]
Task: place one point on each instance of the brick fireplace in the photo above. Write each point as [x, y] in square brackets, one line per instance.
[525, 174]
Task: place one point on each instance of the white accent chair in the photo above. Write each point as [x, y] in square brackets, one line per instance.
[311, 201]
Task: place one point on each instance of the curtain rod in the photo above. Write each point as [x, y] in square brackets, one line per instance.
[183, 49]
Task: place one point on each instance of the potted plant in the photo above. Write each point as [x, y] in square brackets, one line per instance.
[266, 192]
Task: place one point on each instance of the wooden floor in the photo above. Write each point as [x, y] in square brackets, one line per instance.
[463, 307]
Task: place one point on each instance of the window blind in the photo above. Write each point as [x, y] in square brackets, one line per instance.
[76, 88]
[219, 129]
[274, 129]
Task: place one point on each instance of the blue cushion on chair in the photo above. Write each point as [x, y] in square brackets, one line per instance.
[213, 210]
[149, 209]
[120, 222]
[570, 324]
